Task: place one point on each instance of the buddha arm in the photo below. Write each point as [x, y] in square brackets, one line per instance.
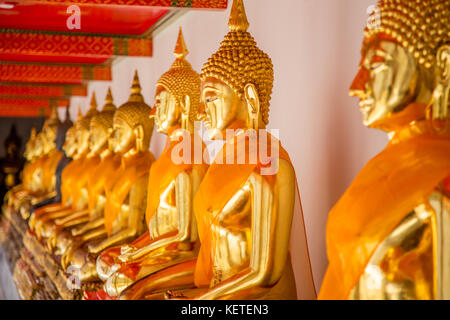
[57, 214]
[74, 216]
[92, 234]
[88, 226]
[186, 185]
[137, 204]
[37, 200]
[272, 212]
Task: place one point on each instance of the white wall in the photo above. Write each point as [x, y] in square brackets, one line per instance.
[314, 45]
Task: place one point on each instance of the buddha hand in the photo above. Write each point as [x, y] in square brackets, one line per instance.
[127, 253]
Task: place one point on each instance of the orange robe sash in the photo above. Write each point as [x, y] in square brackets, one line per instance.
[37, 165]
[68, 179]
[390, 186]
[130, 171]
[164, 171]
[49, 168]
[85, 173]
[103, 171]
[219, 185]
[27, 173]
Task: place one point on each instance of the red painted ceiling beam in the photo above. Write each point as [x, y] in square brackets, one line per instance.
[61, 74]
[28, 107]
[62, 48]
[23, 112]
[197, 4]
[40, 90]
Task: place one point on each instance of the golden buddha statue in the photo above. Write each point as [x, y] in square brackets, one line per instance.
[73, 188]
[70, 150]
[126, 196]
[41, 179]
[172, 236]
[100, 127]
[243, 212]
[396, 244]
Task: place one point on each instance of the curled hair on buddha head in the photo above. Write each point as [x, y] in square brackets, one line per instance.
[181, 80]
[136, 112]
[239, 61]
[422, 27]
[85, 121]
[105, 117]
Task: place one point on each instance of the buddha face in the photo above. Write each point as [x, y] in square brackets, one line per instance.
[39, 145]
[48, 137]
[29, 149]
[70, 145]
[82, 136]
[98, 139]
[386, 82]
[123, 139]
[167, 110]
[222, 106]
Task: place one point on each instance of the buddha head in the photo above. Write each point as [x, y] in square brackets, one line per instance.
[177, 97]
[70, 144]
[237, 80]
[50, 130]
[132, 126]
[39, 145]
[101, 126]
[404, 60]
[83, 127]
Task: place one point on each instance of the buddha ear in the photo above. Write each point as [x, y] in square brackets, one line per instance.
[139, 134]
[253, 105]
[186, 105]
[441, 93]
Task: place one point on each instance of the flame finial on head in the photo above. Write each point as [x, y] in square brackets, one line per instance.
[181, 50]
[53, 112]
[53, 119]
[105, 118]
[238, 18]
[136, 95]
[109, 97]
[93, 104]
[109, 102]
[80, 114]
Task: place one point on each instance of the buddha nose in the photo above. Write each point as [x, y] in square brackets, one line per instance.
[358, 87]
[201, 112]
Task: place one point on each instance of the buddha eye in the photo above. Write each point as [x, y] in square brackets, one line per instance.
[210, 99]
[376, 65]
